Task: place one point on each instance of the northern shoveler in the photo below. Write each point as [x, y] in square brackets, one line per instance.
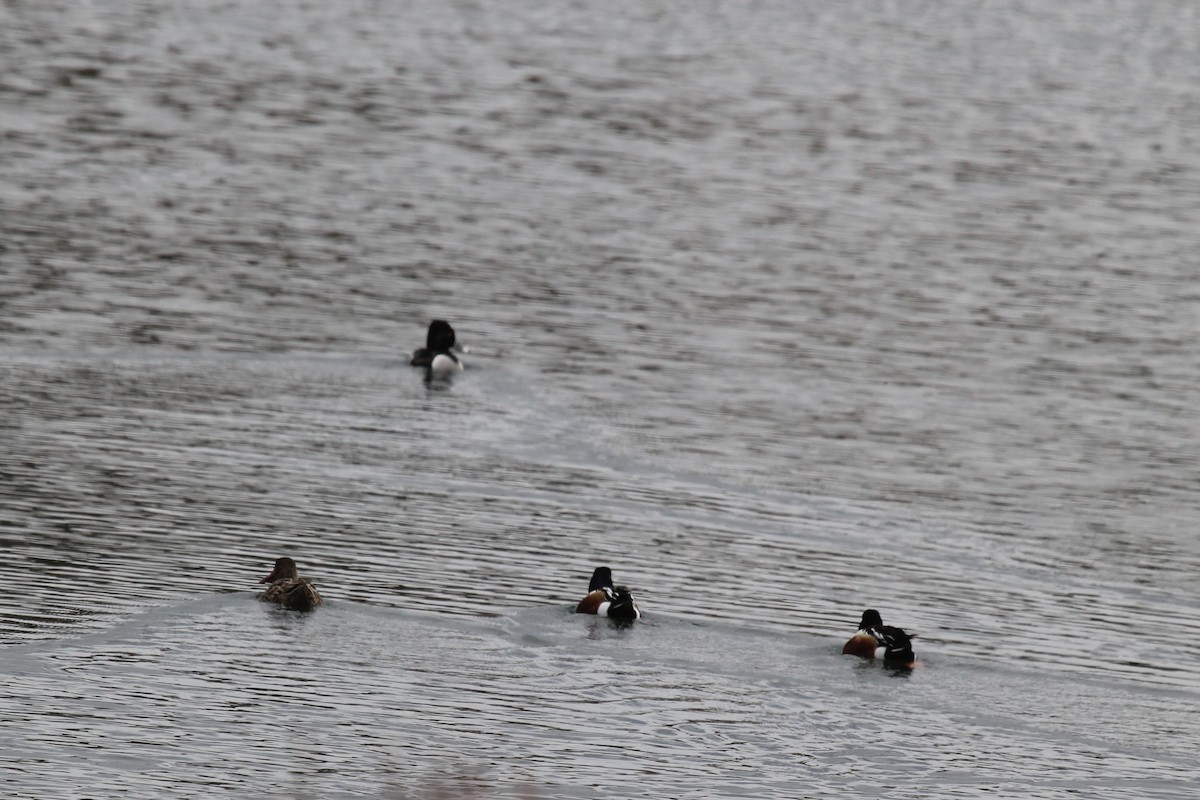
[288, 589]
[606, 600]
[437, 353]
[863, 644]
[873, 634]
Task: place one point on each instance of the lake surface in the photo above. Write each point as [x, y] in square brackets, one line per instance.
[782, 310]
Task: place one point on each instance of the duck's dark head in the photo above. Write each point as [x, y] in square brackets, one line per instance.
[601, 579]
[870, 619]
[285, 569]
[440, 337]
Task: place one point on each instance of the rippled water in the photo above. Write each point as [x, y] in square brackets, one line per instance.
[783, 310]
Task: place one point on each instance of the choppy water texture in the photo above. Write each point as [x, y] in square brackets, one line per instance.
[783, 310]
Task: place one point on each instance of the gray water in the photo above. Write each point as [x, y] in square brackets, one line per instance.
[782, 310]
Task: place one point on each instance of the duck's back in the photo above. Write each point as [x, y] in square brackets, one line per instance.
[296, 594]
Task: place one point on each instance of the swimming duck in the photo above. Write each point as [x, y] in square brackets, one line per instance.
[436, 355]
[288, 589]
[873, 634]
[606, 600]
[864, 643]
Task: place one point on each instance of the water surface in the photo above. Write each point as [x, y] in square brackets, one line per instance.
[783, 311]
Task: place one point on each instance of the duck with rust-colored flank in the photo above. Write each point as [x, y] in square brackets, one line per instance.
[863, 643]
[288, 589]
[873, 634]
[606, 600]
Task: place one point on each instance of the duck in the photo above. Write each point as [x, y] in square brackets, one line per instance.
[288, 589]
[863, 643]
[873, 634]
[606, 600]
[437, 355]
